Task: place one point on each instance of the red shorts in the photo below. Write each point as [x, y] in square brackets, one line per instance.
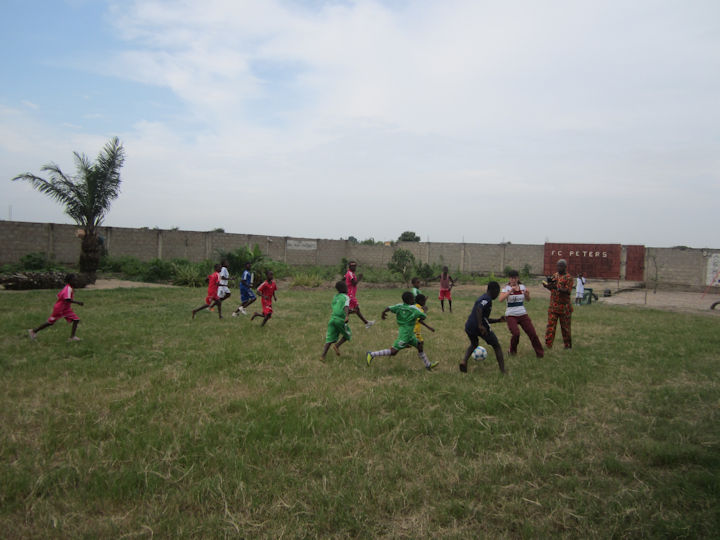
[353, 303]
[63, 311]
[210, 299]
[267, 306]
[445, 294]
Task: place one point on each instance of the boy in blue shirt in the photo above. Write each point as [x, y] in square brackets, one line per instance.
[478, 326]
[247, 297]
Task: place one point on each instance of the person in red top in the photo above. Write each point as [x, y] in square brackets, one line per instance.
[446, 284]
[212, 299]
[351, 280]
[560, 286]
[267, 290]
[63, 310]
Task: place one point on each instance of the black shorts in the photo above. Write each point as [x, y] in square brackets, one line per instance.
[490, 338]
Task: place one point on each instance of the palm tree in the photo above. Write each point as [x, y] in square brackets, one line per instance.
[86, 196]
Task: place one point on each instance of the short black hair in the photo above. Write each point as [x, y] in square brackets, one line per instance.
[407, 297]
[69, 277]
[513, 273]
[341, 286]
[493, 288]
[421, 299]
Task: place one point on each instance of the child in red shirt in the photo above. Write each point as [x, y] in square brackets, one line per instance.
[267, 289]
[63, 310]
[212, 299]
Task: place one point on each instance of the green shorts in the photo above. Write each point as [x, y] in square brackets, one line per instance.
[337, 328]
[406, 338]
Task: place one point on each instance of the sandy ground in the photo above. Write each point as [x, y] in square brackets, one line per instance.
[667, 300]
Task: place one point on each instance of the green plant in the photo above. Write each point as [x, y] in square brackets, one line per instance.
[87, 196]
[37, 261]
[190, 274]
[158, 270]
[403, 264]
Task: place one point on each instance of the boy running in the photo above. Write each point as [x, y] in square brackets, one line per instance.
[267, 293]
[351, 280]
[62, 310]
[407, 313]
[478, 326]
[212, 299]
[247, 297]
[338, 326]
[416, 286]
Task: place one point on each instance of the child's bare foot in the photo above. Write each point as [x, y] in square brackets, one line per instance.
[32, 334]
[193, 312]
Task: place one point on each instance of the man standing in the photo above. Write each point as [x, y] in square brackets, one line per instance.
[351, 280]
[560, 286]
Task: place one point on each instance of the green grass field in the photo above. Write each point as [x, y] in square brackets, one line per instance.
[155, 424]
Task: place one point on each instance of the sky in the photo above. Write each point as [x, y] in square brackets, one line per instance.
[524, 121]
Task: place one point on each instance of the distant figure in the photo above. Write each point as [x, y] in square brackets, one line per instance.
[407, 314]
[351, 280]
[212, 299]
[446, 283]
[247, 296]
[579, 288]
[224, 277]
[517, 316]
[416, 286]
[267, 294]
[478, 326]
[63, 310]
[338, 331]
[560, 285]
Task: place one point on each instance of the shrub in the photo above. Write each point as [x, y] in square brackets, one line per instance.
[189, 274]
[307, 280]
[158, 270]
[37, 261]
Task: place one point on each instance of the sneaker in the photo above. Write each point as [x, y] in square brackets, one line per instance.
[74, 338]
[234, 313]
[369, 358]
[32, 334]
[243, 311]
[369, 324]
[432, 365]
[463, 368]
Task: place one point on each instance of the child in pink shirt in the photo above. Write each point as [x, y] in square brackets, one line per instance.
[62, 310]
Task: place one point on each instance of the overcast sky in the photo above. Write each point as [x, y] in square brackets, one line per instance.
[485, 121]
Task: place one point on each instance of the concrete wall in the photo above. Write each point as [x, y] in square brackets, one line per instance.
[677, 267]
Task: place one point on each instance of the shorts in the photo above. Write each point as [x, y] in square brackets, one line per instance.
[246, 294]
[223, 291]
[266, 306]
[210, 299]
[405, 339]
[491, 339]
[445, 294]
[353, 304]
[62, 312]
[337, 328]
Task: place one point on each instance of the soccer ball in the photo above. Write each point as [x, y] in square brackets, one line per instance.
[479, 353]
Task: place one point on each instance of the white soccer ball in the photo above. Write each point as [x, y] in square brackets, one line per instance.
[479, 353]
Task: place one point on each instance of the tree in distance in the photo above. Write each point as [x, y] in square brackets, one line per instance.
[409, 236]
[87, 195]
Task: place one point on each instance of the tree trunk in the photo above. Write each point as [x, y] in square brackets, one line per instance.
[89, 256]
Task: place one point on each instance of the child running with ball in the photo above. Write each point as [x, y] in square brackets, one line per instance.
[478, 326]
[407, 314]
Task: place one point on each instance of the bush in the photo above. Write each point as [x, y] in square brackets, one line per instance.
[158, 270]
[37, 261]
[307, 280]
[189, 274]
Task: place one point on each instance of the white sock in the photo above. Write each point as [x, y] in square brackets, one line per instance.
[424, 358]
[384, 352]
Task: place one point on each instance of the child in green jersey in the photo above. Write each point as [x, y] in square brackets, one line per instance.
[407, 314]
[338, 327]
[416, 286]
